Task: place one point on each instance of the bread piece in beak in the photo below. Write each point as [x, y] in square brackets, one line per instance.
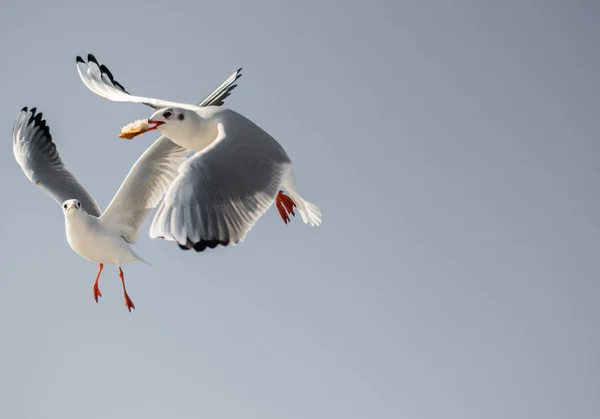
[134, 129]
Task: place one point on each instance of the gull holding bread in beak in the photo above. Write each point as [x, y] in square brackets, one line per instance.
[233, 177]
[102, 237]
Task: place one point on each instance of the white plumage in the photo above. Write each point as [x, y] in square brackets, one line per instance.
[101, 237]
[234, 176]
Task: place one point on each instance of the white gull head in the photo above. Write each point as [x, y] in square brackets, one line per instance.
[71, 207]
[184, 127]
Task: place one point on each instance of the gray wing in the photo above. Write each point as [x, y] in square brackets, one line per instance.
[143, 187]
[217, 97]
[37, 155]
[223, 190]
[98, 78]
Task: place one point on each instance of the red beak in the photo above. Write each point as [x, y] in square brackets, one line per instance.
[73, 206]
[154, 124]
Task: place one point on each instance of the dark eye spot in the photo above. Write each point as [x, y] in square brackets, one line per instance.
[180, 116]
[65, 206]
[167, 114]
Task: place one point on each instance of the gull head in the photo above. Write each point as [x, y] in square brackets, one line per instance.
[174, 122]
[71, 206]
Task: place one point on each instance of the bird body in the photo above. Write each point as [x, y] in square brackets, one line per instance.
[236, 173]
[228, 184]
[94, 240]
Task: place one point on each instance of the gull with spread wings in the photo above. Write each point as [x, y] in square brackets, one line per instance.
[102, 237]
[233, 177]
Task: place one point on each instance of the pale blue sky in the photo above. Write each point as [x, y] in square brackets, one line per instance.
[453, 149]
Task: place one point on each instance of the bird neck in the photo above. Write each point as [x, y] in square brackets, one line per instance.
[78, 218]
[196, 135]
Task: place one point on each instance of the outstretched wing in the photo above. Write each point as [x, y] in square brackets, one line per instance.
[143, 188]
[98, 78]
[37, 155]
[224, 189]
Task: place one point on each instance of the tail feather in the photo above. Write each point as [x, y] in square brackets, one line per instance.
[310, 213]
[143, 261]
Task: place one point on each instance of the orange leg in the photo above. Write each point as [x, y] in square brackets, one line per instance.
[285, 206]
[97, 292]
[128, 301]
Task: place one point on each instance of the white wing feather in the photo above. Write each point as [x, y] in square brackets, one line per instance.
[99, 80]
[144, 186]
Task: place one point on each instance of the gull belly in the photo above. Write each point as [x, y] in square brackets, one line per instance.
[92, 241]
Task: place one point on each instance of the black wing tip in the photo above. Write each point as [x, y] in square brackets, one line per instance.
[32, 111]
[120, 86]
[36, 120]
[79, 60]
[92, 59]
[103, 70]
[202, 245]
[37, 116]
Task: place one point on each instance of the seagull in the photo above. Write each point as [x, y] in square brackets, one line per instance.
[101, 237]
[234, 175]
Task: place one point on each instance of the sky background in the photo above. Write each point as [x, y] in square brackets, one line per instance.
[452, 147]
